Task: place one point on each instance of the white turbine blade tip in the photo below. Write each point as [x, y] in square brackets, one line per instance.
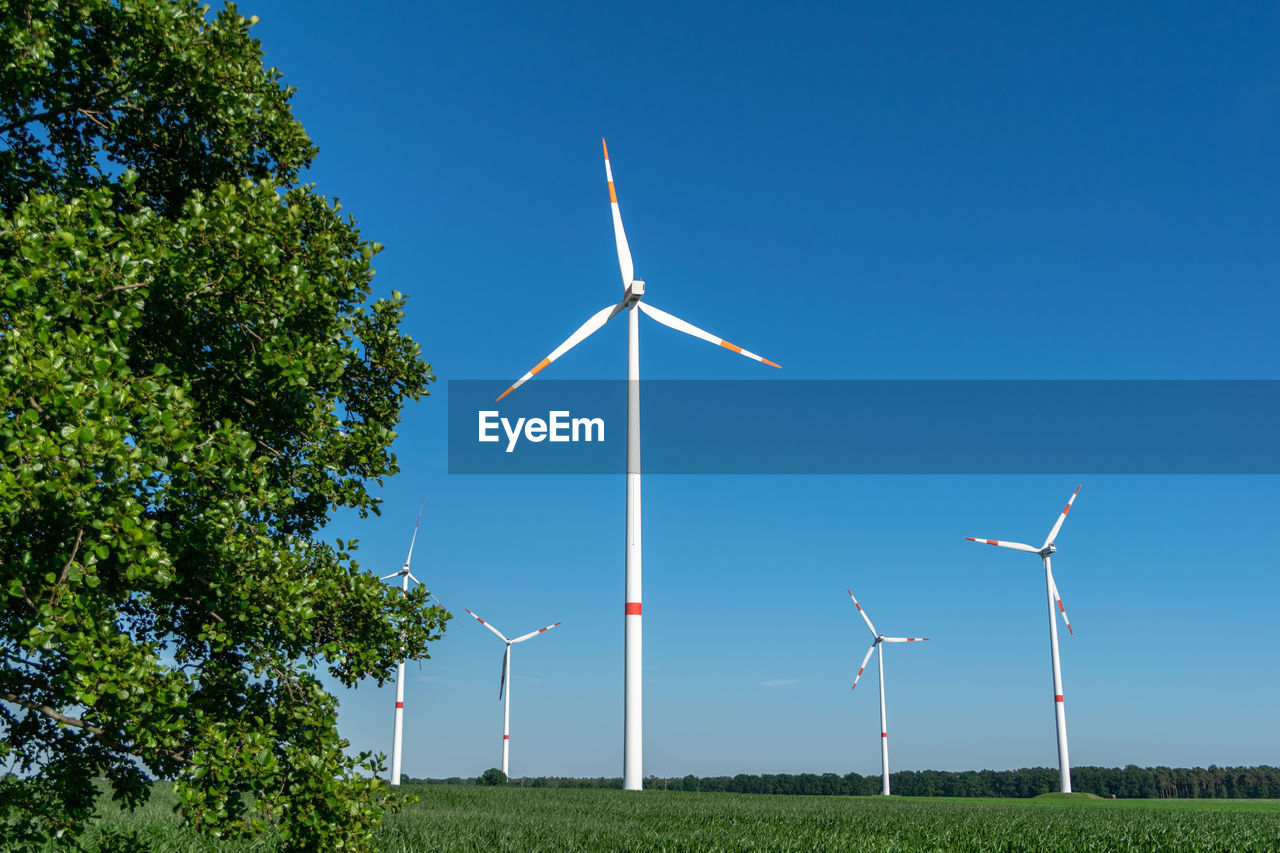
[625, 265]
[1000, 543]
[673, 322]
[1062, 516]
[416, 525]
[487, 625]
[863, 613]
[863, 665]
[534, 633]
[1057, 599]
[594, 322]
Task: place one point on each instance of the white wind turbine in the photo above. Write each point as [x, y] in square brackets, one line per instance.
[877, 643]
[506, 677]
[632, 750]
[1060, 713]
[405, 576]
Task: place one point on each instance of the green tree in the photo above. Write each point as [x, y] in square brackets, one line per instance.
[492, 776]
[193, 375]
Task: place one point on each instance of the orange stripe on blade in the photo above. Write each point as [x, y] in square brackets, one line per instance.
[613, 196]
[505, 393]
[771, 364]
[730, 346]
[606, 147]
[541, 365]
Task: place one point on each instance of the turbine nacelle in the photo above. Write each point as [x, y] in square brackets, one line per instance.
[1048, 549]
[633, 294]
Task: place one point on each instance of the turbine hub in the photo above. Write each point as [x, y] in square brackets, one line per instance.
[635, 292]
[1049, 549]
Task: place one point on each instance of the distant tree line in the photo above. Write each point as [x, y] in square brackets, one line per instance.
[1213, 782]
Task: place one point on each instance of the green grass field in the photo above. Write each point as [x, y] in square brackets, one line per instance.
[489, 819]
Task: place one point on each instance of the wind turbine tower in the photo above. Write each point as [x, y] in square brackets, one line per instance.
[877, 642]
[632, 294]
[397, 737]
[1051, 588]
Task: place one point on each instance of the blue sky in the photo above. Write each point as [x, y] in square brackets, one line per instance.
[855, 191]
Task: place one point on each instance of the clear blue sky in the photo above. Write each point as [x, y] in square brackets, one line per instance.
[856, 191]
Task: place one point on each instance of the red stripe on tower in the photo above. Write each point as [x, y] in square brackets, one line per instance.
[399, 705]
[1058, 698]
[506, 737]
[632, 608]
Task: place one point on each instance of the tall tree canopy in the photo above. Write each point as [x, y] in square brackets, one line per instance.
[193, 375]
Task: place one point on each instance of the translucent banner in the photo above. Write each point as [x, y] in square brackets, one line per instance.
[869, 427]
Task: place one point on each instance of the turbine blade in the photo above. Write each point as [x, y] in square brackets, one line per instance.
[416, 524]
[390, 576]
[414, 579]
[863, 666]
[904, 639]
[597, 320]
[502, 682]
[533, 633]
[865, 617]
[689, 329]
[487, 625]
[1017, 546]
[619, 235]
[1061, 518]
[1053, 587]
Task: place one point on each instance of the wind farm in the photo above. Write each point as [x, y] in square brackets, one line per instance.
[271, 275]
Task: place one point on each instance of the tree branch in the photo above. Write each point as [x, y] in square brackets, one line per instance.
[76, 107]
[134, 286]
[54, 714]
[75, 549]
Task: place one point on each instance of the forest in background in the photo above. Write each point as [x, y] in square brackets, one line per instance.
[1131, 782]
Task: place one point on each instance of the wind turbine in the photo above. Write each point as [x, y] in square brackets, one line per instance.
[405, 576]
[1060, 713]
[876, 643]
[506, 676]
[633, 292]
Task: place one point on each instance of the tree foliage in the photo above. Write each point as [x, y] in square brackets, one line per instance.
[492, 776]
[193, 375]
